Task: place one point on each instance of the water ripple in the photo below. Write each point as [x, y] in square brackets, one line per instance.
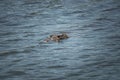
[90, 53]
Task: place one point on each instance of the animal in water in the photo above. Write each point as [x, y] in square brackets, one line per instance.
[56, 37]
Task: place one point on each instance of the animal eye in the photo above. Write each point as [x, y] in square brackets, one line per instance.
[58, 36]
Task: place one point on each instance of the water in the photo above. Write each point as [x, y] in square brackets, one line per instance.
[91, 53]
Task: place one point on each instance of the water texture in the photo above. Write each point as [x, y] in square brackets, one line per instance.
[91, 53]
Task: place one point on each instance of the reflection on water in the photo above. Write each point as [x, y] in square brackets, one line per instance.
[91, 52]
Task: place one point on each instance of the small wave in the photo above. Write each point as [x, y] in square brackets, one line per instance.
[16, 73]
[99, 29]
[8, 52]
[75, 12]
[7, 33]
[31, 2]
[30, 34]
[111, 9]
[103, 19]
[57, 66]
[59, 78]
[113, 37]
[62, 48]
[28, 26]
[17, 39]
[78, 73]
[84, 56]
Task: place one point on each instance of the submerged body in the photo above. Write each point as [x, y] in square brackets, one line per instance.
[56, 37]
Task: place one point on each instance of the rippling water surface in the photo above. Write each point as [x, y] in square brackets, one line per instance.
[91, 53]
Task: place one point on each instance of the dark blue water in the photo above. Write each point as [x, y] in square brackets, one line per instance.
[91, 53]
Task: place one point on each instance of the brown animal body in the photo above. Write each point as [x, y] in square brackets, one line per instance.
[56, 37]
